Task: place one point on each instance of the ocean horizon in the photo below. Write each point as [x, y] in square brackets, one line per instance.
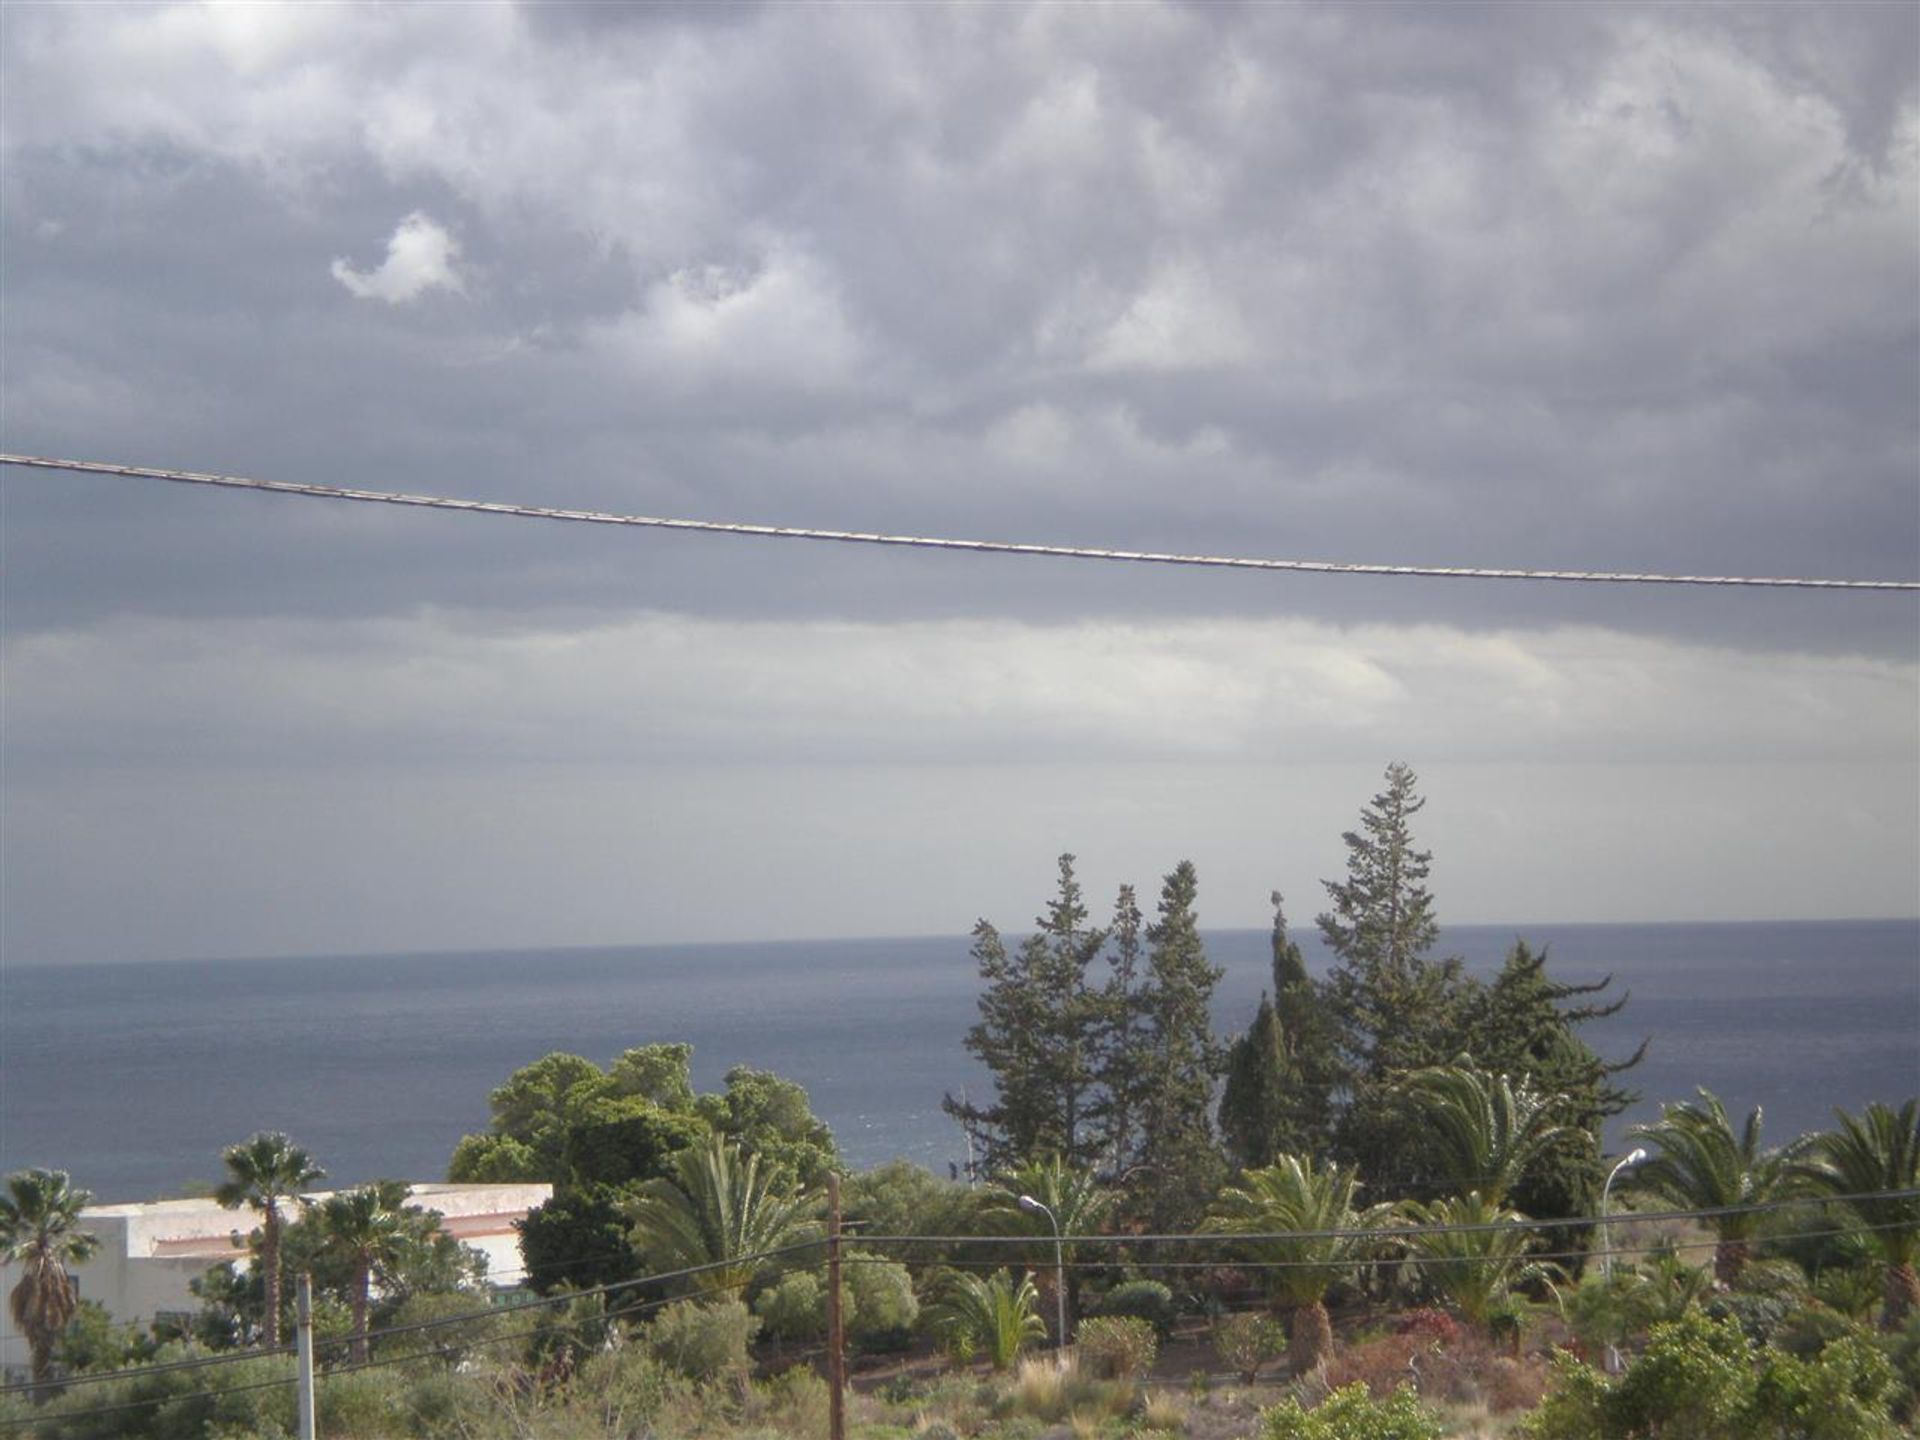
[133, 1075]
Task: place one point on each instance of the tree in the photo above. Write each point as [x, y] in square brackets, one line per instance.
[1291, 1195]
[1281, 1074]
[1482, 1131]
[1704, 1165]
[771, 1118]
[1525, 1025]
[262, 1172]
[1181, 1061]
[718, 1210]
[1868, 1155]
[1120, 1042]
[577, 1240]
[1396, 1009]
[367, 1229]
[1037, 1031]
[40, 1232]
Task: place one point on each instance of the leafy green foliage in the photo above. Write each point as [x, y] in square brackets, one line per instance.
[1471, 1268]
[1116, 1347]
[578, 1239]
[703, 1340]
[1703, 1379]
[1874, 1152]
[1702, 1164]
[880, 1301]
[1282, 1073]
[1146, 1300]
[1353, 1414]
[1482, 1131]
[989, 1315]
[772, 1119]
[721, 1210]
[794, 1308]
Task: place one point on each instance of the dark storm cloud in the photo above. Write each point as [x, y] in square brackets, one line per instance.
[1595, 288]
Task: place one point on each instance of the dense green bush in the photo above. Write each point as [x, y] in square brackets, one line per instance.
[1702, 1379]
[703, 1341]
[1116, 1347]
[1353, 1414]
[794, 1310]
[879, 1300]
[1146, 1300]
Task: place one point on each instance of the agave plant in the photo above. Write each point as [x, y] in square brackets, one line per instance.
[1291, 1207]
[1471, 1251]
[994, 1316]
[1704, 1165]
[718, 1210]
[1877, 1152]
[1483, 1129]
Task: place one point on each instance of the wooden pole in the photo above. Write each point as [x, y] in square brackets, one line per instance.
[303, 1321]
[836, 1322]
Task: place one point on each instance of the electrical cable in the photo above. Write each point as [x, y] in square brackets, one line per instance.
[929, 542]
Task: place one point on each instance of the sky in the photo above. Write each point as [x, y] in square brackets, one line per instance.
[1592, 287]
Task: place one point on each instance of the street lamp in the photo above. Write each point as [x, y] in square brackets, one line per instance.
[1632, 1157]
[1034, 1207]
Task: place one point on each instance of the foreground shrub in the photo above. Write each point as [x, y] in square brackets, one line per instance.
[795, 1310]
[703, 1341]
[1146, 1300]
[1701, 1378]
[1050, 1389]
[880, 1302]
[1247, 1341]
[1354, 1414]
[1116, 1347]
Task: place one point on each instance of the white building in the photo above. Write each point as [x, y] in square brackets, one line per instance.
[149, 1253]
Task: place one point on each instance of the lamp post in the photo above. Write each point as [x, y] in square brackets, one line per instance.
[1632, 1157]
[1034, 1207]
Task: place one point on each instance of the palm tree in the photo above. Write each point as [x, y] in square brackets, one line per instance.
[1473, 1253]
[1879, 1151]
[40, 1231]
[367, 1228]
[717, 1209]
[1291, 1196]
[992, 1314]
[1703, 1165]
[262, 1172]
[1079, 1203]
[1483, 1129]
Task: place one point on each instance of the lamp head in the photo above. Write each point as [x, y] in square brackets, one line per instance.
[1636, 1155]
[1031, 1205]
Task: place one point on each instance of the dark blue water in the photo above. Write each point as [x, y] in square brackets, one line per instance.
[133, 1077]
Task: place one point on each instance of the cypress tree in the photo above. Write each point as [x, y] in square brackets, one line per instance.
[1396, 1010]
[1037, 1035]
[1119, 1041]
[1179, 1161]
[1281, 1074]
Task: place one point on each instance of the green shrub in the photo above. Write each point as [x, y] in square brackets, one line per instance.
[794, 1402]
[1353, 1414]
[1247, 1341]
[795, 1309]
[1116, 1347]
[1699, 1379]
[703, 1341]
[1146, 1300]
[1807, 1332]
[1902, 1349]
[993, 1316]
[880, 1301]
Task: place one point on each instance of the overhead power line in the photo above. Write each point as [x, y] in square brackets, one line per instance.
[932, 542]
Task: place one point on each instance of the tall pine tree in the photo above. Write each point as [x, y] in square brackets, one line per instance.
[1178, 1161]
[1396, 1009]
[1121, 1064]
[1037, 1034]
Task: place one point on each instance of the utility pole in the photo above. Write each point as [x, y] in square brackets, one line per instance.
[836, 1322]
[303, 1333]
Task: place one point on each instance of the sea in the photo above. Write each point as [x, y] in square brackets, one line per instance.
[133, 1077]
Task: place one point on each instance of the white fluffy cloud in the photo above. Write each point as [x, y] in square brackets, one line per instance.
[421, 256]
